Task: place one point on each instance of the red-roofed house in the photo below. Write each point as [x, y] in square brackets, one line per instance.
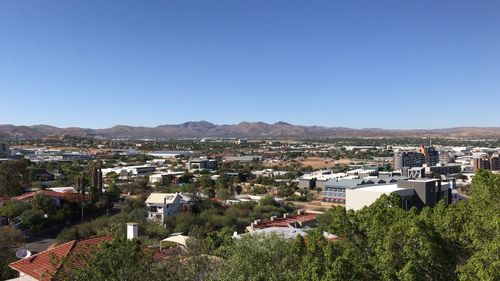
[55, 263]
[55, 196]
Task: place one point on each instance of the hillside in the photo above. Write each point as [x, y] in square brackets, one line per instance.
[241, 130]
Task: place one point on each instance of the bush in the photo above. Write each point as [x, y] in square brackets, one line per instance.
[13, 209]
[33, 220]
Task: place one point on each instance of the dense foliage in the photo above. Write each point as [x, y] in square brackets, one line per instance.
[380, 242]
[10, 239]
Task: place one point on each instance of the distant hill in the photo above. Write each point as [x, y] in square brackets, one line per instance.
[241, 130]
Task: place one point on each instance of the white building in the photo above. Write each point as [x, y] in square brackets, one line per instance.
[63, 189]
[162, 205]
[170, 154]
[358, 198]
[269, 173]
[130, 171]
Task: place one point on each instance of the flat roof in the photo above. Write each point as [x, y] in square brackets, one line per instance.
[380, 188]
[423, 180]
[161, 198]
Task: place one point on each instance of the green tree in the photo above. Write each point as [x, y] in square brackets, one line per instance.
[33, 220]
[10, 239]
[118, 260]
[12, 209]
[43, 203]
[14, 177]
[223, 194]
[259, 258]
[205, 181]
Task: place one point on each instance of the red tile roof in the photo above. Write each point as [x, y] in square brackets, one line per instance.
[75, 258]
[45, 265]
[30, 195]
[284, 222]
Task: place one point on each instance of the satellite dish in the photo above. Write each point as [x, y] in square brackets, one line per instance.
[23, 253]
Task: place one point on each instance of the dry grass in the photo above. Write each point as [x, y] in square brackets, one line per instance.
[323, 163]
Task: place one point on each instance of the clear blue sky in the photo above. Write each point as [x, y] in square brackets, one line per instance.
[354, 63]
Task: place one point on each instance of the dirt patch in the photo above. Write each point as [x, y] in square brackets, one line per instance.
[323, 163]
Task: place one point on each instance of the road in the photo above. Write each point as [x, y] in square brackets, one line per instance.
[37, 246]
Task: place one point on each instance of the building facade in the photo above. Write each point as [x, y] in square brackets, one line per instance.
[162, 205]
[335, 189]
[417, 193]
[202, 164]
[408, 160]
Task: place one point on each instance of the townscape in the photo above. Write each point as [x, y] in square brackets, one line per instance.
[249, 140]
[217, 205]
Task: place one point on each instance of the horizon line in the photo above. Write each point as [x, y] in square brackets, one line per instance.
[253, 122]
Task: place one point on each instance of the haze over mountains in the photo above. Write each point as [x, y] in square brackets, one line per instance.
[241, 130]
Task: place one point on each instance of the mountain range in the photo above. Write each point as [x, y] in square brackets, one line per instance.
[241, 130]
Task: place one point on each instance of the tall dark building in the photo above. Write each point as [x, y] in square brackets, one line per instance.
[431, 155]
[495, 163]
[480, 163]
[428, 192]
[408, 160]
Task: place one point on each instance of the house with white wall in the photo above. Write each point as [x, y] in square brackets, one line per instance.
[162, 205]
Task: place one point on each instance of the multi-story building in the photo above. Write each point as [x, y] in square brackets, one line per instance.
[425, 155]
[441, 169]
[417, 193]
[318, 179]
[431, 155]
[428, 192]
[335, 189]
[495, 163]
[360, 197]
[202, 164]
[408, 160]
[162, 205]
[480, 163]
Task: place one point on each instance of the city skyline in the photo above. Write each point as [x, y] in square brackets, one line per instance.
[94, 64]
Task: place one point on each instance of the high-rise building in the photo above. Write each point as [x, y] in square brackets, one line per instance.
[408, 160]
[495, 163]
[480, 163]
[431, 155]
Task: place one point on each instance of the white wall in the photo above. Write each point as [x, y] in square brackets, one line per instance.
[357, 199]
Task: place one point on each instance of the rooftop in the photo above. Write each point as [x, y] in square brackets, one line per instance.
[45, 265]
[30, 195]
[161, 198]
[382, 188]
[422, 180]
